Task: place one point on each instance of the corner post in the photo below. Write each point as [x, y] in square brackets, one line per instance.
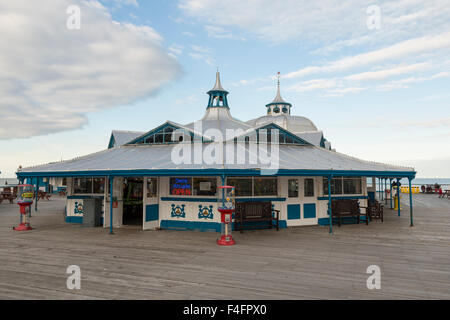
[37, 195]
[410, 203]
[398, 196]
[390, 191]
[111, 188]
[329, 204]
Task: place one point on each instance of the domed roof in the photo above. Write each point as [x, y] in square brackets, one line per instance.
[291, 123]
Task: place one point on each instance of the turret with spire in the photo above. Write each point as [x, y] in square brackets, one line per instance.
[218, 95]
[278, 105]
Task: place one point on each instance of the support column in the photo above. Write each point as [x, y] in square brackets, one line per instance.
[398, 196]
[390, 190]
[410, 204]
[223, 190]
[385, 188]
[329, 204]
[111, 188]
[37, 195]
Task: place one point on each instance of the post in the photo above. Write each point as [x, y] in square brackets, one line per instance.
[390, 190]
[385, 188]
[111, 188]
[329, 205]
[410, 204]
[223, 190]
[398, 196]
[37, 195]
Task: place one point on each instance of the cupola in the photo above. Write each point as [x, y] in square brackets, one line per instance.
[218, 95]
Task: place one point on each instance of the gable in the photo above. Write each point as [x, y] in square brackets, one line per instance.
[284, 136]
[168, 133]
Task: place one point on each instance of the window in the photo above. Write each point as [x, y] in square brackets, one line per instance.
[82, 185]
[152, 187]
[98, 185]
[293, 188]
[247, 187]
[265, 187]
[352, 186]
[89, 185]
[243, 186]
[181, 186]
[205, 187]
[340, 185]
[309, 187]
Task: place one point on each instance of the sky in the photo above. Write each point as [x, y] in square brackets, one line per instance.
[374, 76]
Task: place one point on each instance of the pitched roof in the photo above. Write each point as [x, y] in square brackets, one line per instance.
[158, 158]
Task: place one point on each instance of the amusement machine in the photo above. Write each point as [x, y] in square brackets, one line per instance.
[226, 210]
[25, 201]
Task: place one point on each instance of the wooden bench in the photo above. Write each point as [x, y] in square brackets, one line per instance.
[253, 215]
[7, 196]
[343, 208]
[374, 209]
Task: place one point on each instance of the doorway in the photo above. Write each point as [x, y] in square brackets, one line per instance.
[133, 192]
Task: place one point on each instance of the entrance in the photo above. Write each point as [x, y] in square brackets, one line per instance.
[301, 202]
[133, 192]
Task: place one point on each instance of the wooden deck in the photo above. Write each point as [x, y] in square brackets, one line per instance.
[295, 263]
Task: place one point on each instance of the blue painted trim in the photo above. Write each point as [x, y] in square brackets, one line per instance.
[293, 211]
[214, 172]
[161, 128]
[193, 199]
[190, 225]
[309, 210]
[70, 219]
[278, 103]
[85, 197]
[152, 212]
[295, 138]
[259, 199]
[189, 199]
[345, 220]
[343, 197]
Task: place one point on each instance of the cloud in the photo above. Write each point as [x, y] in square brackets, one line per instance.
[203, 54]
[51, 76]
[397, 51]
[332, 21]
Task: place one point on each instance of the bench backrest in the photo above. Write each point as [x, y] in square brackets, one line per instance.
[344, 205]
[254, 209]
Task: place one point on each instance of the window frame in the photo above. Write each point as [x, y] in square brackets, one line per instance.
[325, 186]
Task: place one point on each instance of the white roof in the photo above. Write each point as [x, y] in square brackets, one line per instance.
[158, 157]
[121, 136]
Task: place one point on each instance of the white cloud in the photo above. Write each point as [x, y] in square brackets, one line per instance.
[203, 54]
[399, 50]
[52, 76]
[321, 21]
[188, 34]
[389, 72]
